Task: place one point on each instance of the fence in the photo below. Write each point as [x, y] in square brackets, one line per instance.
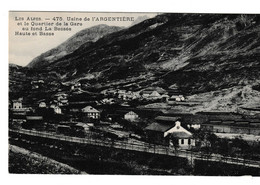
[127, 145]
[143, 147]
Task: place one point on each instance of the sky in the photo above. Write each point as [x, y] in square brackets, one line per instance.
[23, 48]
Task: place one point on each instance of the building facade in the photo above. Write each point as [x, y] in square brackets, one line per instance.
[90, 113]
[17, 104]
[131, 116]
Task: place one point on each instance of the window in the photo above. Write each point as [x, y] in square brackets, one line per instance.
[182, 141]
[189, 141]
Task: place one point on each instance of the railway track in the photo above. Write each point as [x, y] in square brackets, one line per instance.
[142, 147]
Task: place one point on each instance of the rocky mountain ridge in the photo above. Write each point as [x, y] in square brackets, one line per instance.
[87, 35]
[194, 52]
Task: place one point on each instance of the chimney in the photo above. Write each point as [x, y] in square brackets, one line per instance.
[177, 123]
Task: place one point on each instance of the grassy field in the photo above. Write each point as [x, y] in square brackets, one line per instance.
[22, 161]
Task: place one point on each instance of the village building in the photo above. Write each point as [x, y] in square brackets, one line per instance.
[52, 106]
[129, 95]
[75, 107]
[57, 110]
[146, 94]
[167, 119]
[154, 95]
[157, 89]
[136, 95]
[167, 134]
[90, 113]
[103, 92]
[171, 101]
[233, 126]
[18, 118]
[32, 122]
[121, 94]
[175, 98]
[17, 112]
[76, 86]
[34, 119]
[178, 97]
[36, 84]
[17, 104]
[184, 138]
[111, 92]
[131, 116]
[42, 104]
[194, 126]
[155, 132]
[61, 99]
[108, 101]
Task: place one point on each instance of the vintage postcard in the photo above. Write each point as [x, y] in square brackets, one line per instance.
[134, 93]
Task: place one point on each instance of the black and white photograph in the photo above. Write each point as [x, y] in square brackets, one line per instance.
[130, 93]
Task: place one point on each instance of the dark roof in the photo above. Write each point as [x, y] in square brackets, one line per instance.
[159, 127]
[34, 118]
[151, 89]
[214, 121]
[90, 109]
[241, 122]
[254, 120]
[167, 118]
[63, 126]
[14, 101]
[228, 122]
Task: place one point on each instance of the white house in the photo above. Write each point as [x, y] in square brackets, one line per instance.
[61, 99]
[108, 101]
[178, 97]
[57, 110]
[42, 104]
[194, 126]
[121, 94]
[91, 112]
[131, 116]
[145, 93]
[76, 86]
[17, 104]
[52, 106]
[104, 92]
[154, 95]
[184, 137]
[136, 95]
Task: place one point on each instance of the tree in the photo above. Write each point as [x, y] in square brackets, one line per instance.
[209, 143]
[175, 143]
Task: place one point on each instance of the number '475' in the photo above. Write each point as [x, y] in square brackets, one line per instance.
[57, 18]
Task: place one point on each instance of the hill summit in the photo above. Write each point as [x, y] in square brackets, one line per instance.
[87, 35]
[194, 52]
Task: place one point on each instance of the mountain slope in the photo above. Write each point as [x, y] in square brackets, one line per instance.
[87, 35]
[194, 52]
[139, 19]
